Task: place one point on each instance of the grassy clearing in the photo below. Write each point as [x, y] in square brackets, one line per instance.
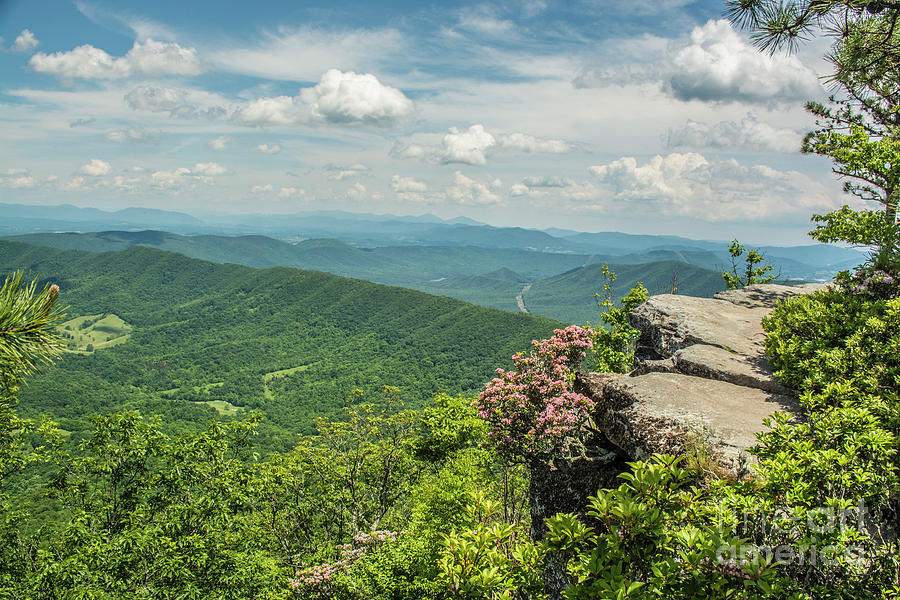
[88, 333]
[283, 372]
[225, 409]
[267, 393]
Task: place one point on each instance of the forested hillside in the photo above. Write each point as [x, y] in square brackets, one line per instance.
[292, 343]
[491, 277]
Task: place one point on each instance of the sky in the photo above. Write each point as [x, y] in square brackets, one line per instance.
[643, 116]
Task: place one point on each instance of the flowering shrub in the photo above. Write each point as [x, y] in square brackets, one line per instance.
[873, 282]
[317, 579]
[533, 409]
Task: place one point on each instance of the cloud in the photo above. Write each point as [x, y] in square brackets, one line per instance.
[407, 184]
[25, 42]
[554, 188]
[719, 65]
[76, 183]
[219, 144]
[81, 122]
[208, 169]
[716, 65]
[484, 21]
[267, 149]
[148, 59]
[474, 145]
[260, 189]
[96, 168]
[170, 100]
[340, 98]
[749, 135]
[466, 190]
[303, 54]
[291, 192]
[689, 185]
[170, 179]
[19, 181]
[357, 191]
[183, 178]
[547, 182]
[132, 135]
[339, 172]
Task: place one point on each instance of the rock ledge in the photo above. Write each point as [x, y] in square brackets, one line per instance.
[701, 376]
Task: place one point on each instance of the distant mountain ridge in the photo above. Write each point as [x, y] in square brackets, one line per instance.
[378, 233]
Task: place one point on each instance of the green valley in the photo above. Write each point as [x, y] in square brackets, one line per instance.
[295, 344]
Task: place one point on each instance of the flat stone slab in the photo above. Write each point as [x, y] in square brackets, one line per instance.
[670, 322]
[668, 412]
[712, 362]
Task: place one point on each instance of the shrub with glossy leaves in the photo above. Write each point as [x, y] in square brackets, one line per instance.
[657, 536]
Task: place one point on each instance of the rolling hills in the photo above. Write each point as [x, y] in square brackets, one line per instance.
[292, 343]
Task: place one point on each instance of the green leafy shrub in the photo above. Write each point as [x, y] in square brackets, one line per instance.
[491, 559]
[658, 536]
[752, 274]
[614, 343]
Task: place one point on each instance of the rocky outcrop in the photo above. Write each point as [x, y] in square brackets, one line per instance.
[701, 377]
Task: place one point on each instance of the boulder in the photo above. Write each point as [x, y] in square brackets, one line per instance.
[670, 412]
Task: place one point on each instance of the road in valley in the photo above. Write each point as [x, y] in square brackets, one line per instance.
[520, 300]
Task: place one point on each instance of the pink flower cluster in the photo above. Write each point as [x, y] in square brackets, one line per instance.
[533, 409]
[876, 283]
[317, 577]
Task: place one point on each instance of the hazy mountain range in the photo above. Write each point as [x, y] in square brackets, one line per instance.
[556, 272]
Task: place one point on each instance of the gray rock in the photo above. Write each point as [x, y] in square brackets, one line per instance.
[712, 362]
[669, 412]
[669, 323]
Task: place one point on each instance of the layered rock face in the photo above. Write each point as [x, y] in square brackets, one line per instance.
[701, 377]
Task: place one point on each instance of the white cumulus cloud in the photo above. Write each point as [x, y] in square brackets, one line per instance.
[267, 148]
[719, 65]
[716, 64]
[341, 172]
[475, 145]
[209, 169]
[148, 58]
[96, 168]
[219, 144]
[750, 134]
[19, 182]
[291, 192]
[466, 190]
[408, 184]
[25, 42]
[340, 97]
[262, 188]
[724, 190]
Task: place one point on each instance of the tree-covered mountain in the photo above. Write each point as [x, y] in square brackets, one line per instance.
[570, 296]
[491, 277]
[292, 343]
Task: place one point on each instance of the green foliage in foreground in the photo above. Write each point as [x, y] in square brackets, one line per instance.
[818, 515]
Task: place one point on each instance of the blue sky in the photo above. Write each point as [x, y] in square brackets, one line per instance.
[642, 116]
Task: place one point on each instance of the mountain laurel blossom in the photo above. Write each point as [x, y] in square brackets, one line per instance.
[533, 409]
